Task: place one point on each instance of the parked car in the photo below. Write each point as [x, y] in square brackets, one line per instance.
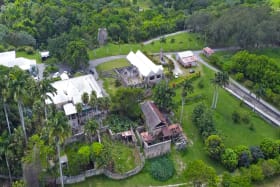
[55, 75]
[176, 75]
[191, 71]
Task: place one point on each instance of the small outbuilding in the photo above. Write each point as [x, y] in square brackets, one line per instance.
[186, 59]
[207, 51]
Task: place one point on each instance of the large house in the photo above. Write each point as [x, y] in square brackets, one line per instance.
[148, 71]
[9, 59]
[186, 58]
[69, 93]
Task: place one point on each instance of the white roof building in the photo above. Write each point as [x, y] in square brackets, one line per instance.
[71, 90]
[9, 59]
[45, 54]
[144, 65]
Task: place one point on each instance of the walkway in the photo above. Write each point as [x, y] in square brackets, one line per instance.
[166, 35]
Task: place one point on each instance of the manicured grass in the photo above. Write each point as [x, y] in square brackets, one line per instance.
[112, 65]
[35, 56]
[233, 135]
[181, 42]
[108, 82]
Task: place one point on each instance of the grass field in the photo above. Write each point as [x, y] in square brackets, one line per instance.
[180, 42]
[233, 135]
[33, 56]
[275, 4]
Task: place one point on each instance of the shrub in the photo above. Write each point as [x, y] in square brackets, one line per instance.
[236, 117]
[2, 49]
[245, 118]
[162, 169]
[249, 84]
[201, 84]
[29, 50]
[239, 76]
[172, 40]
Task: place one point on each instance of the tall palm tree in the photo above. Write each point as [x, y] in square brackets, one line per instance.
[18, 81]
[187, 88]
[59, 130]
[79, 109]
[4, 142]
[4, 97]
[90, 128]
[221, 79]
[93, 100]
[85, 100]
[45, 89]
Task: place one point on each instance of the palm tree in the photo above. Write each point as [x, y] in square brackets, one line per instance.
[59, 130]
[93, 100]
[5, 96]
[187, 88]
[18, 80]
[79, 109]
[45, 89]
[221, 79]
[4, 142]
[85, 100]
[90, 128]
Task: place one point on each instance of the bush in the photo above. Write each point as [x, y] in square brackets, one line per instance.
[239, 76]
[2, 49]
[201, 84]
[172, 40]
[162, 169]
[249, 84]
[236, 117]
[29, 50]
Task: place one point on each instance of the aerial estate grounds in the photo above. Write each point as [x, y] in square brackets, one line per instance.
[233, 134]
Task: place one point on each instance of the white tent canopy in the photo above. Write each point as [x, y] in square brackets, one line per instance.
[144, 65]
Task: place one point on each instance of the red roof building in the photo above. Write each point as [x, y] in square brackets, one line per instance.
[208, 51]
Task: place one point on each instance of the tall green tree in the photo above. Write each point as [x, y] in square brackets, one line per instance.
[186, 89]
[163, 96]
[18, 83]
[214, 146]
[199, 173]
[230, 159]
[76, 54]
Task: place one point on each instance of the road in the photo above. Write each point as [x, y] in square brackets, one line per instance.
[177, 68]
[265, 109]
[166, 35]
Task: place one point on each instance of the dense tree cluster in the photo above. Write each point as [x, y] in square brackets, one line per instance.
[240, 25]
[203, 119]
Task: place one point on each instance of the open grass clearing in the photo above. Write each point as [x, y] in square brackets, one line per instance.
[233, 135]
[179, 42]
[35, 56]
[112, 65]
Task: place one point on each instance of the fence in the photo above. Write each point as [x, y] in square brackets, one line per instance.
[109, 174]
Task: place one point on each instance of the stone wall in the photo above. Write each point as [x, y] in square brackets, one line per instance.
[109, 174]
[158, 149]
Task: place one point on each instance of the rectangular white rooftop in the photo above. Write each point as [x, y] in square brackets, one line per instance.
[71, 90]
[9, 59]
[69, 109]
[144, 65]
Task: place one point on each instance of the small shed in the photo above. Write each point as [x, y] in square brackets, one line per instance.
[207, 51]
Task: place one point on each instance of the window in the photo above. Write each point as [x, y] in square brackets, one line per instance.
[152, 77]
[158, 76]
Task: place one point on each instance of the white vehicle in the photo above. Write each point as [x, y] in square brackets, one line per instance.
[55, 75]
[176, 75]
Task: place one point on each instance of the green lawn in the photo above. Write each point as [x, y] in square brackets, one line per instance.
[275, 4]
[35, 56]
[112, 65]
[181, 42]
[233, 135]
[108, 82]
